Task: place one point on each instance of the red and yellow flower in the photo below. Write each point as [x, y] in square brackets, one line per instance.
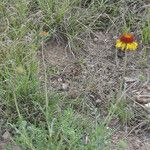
[127, 42]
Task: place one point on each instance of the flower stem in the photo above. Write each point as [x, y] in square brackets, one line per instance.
[125, 65]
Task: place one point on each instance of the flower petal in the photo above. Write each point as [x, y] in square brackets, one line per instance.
[129, 46]
[127, 38]
[123, 46]
[118, 44]
[134, 46]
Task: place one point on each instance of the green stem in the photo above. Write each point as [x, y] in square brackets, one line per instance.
[125, 65]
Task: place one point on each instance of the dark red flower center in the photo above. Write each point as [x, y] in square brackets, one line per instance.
[127, 38]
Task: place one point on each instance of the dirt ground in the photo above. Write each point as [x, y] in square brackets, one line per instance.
[95, 72]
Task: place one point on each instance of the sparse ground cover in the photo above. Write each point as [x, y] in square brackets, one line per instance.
[62, 85]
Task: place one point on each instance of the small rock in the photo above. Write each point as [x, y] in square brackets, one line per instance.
[6, 136]
[98, 101]
[60, 80]
[65, 86]
[95, 39]
[143, 99]
[147, 105]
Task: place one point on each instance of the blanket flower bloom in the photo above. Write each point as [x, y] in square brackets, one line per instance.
[126, 42]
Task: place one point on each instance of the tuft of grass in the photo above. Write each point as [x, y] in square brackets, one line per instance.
[146, 29]
[68, 130]
[119, 107]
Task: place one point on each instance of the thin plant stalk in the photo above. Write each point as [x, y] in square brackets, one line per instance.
[45, 88]
[125, 65]
[16, 105]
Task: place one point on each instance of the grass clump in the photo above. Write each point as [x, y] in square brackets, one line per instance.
[67, 130]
